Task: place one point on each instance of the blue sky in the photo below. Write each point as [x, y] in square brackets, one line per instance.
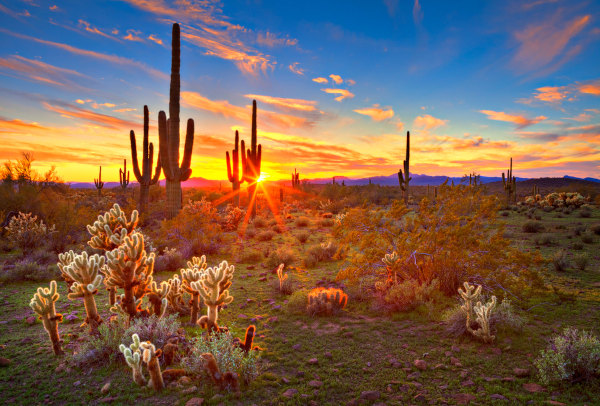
[338, 83]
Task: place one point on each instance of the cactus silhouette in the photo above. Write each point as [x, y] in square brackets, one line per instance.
[296, 179]
[251, 160]
[98, 182]
[234, 175]
[405, 178]
[168, 134]
[144, 176]
[124, 175]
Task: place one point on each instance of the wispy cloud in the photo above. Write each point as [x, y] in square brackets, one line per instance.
[119, 60]
[104, 120]
[417, 13]
[272, 40]
[154, 38]
[88, 27]
[552, 94]
[19, 126]
[321, 80]
[343, 93]
[133, 35]
[428, 122]
[376, 113]
[337, 79]
[548, 42]
[286, 103]
[518, 120]
[592, 88]
[350, 82]
[294, 67]
[38, 71]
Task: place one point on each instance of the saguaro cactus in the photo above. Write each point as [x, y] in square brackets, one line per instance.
[84, 271]
[168, 134]
[124, 175]
[251, 160]
[144, 177]
[193, 273]
[234, 176]
[213, 288]
[296, 179]
[133, 357]
[405, 178]
[510, 185]
[42, 304]
[98, 182]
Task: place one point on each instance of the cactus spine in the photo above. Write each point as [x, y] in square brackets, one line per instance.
[193, 273]
[124, 175]
[84, 271]
[42, 304]
[213, 288]
[251, 162]
[144, 176]
[98, 182]
[234, 176]
[510, 185]
[168, 133]
[133, 357]
[405, 178]
[296, 179]
[150, 356]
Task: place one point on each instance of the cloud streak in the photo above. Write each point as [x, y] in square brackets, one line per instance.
[518, 120]
[376, 113]
[428, 122]
[343, 93]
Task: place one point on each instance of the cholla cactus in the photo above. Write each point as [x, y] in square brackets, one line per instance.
[483, 312]
[150, 356]
[42, 304]
[213, 288]
[193, 273]
[391, 265]
[133, 357]
[158, 298]
[282, 277]
[25, 231]
[83, 270]
[469, 295]
[339, 218]
[326, 301]
[130, 268]
[109, 231]
[175, 296]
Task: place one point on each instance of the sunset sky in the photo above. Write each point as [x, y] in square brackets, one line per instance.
[338, 84]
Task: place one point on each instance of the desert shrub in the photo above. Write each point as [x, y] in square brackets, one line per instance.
[571, 356]
[326, 222]
[272, 222]
[229, 357]
[171, 260]
[560, 261]
[587, 238]
[548, 209]
[302, 222]
[277, 228]
[25, 231]
[532, 227]
[302, 237]
[27, 270]
[577, 245]
[503, 318]
[251, 256]
[585, 212]
[505, 213]
[545, 239]
[260, 222]
[154, 329]
[282, 255]
[326, 301]
[320, 252]
[266, 235]
[595, 229]
[581, 261]
[232, 218]
[409, 294]
[250, 232]
[578, 230]
[457, 237]
[297, 302]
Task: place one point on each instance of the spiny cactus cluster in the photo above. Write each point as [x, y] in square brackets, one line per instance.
[213, 288]
[479, 314]
[146, 352]
[556, 200]
[43, 304]
[193, 273]
[324, 301]
[25, 231]
[133, 357]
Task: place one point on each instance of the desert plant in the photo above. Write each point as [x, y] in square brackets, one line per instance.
[587, 238]
[25, 231]
[213, 288]
[532, 227]
[581, 261]
[98, 182]
[233, 217]
[29, 270]
[409, 294]
[302, 222]
[302, 237]
[43, 304]
[193, 273]
[545, 239]
[560, 261]
[266, 235]
[168, 134]
[405, 178]
[150, 357]
[251, 161]
[571, 356]
[124, 175]
[170, 260]
[175, 296]
[326, 301]
[481, 312]
[504, 317]
[133, 357]
[282, 255]
[259, 222]
[157, 296]
[595, 229]
[234, 176]
[144, 176]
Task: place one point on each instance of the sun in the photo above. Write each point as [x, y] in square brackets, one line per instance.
[263, 176]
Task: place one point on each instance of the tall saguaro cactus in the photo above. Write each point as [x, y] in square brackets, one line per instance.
[98, 182]
[251, 160]
[296, 179]
[234, 176]
[168, 134]
[144, 177]
[510, 185]
[405, 178]
[124, 175]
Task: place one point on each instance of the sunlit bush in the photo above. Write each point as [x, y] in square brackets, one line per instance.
[26, 231]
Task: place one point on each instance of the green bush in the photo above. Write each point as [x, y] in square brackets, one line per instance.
[532, 227]
[266, 235]
[587, 238]
[259, 222]
[545, 239]
[560, 261]
[581, 261]
[302, 237]
[302, 222]
[596, 229]
[297, 302]
[281, 255]
[27, 270]
[571, 356]
[410, 294]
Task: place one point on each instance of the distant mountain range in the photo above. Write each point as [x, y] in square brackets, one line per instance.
[391, 180]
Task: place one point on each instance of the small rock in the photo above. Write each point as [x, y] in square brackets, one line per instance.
[4, 362]
[242, 316]
[554, 402]
[250, 267]
[189, 390]
[521, 372]
[217, 397]
[328, 355]
[313, 361]
[296, 347]
[195, 402]
[508, 379]
[30, 320]
[455, 348]
[496, 351]
[76, 383]
[264, 278]
[273, 319]
[300, 374]
[285, 380]
[497, 396]
[289, 393]
[370, 395]
[533, 387]
[185, 380]
[468, 382]
[105, 388]
[464, 398]
[455, 361]
[276, 307]
[315, 384]
[420, 364]
[420, 398]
